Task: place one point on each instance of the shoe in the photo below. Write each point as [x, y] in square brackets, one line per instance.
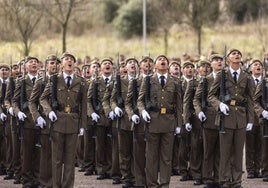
[175, 172]
[17, 181]
[209, 185]
[258, 175]
[186, 178]
[82, 169]
[265, 179]
[116, 181]
[251, 175]
[89, 173]
[103, 176]
[3, 172]
[8, 176]
[128, 184]
[198, 182]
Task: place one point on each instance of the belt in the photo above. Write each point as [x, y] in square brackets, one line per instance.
[235, 103]
[162, 110]
[67, 109]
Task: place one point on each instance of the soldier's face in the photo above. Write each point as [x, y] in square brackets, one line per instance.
[15, 71]
[52, 67]
[123, 70]
[4, 73]
[93, 69]
[161, 64]
[32, 66]
[68, 64]
[86, 72]
[188, 70]
[204, 70]
[106, 67]
[174, 70]
[256, 68]
[217, 64]
[235, 57]
[145, 65]
[132, 67]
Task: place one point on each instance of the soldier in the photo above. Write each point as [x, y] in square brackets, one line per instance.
[254, 137]
[165, 100]
[16, 143]
[238, 117]
[45, 169]
[184, 153]
[68, 119]
[30, 154]
[99, 117]
[207, 114]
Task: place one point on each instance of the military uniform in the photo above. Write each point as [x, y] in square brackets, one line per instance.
[240, 113]
[71, 114]
[210, 169]
[162, 124]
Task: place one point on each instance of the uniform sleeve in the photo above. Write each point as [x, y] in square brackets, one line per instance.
[34, 100]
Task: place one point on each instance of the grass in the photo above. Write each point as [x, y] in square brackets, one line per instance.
[181, 39]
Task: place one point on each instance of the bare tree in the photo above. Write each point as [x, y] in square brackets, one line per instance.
[24, 19]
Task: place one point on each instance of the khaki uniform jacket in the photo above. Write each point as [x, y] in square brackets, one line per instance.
[2, 98]
[162, 98]
[104, 110]
[10, 93]
[258, 106]
[209, 110]
[242, 92]
[67, 123]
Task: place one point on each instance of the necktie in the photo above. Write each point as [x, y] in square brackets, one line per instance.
[162, 81]
[235, 77]
[33, 80]
[4, 86]
[68, 81]
[256, 81]
[106, 81]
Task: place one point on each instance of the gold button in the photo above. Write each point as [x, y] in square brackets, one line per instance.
[163, 90]
[235, 108]
[162, 97]
[68, 90]
[236, 94]
[236, 87]
[161, 105]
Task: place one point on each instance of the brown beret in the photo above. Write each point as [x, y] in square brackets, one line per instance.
[254, 61]
[187, 63]
[53, 58]
[4, 66]
[145, 58]
[67, 54]
[215, 56]
[107, 59]
[95, 62]
[29, 58]
[131, 59]
[232, 50]
[203, 62]
[159, 57]
[172, 62]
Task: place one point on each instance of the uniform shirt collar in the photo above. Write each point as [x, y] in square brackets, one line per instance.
[238, 72]
[65, 75]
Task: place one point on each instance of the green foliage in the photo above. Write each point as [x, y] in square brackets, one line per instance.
[128, 23]
[110, 8]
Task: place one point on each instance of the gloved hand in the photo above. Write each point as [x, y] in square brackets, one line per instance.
[146, 116]
[81, 132]
[11, 111]
[188, 127]
[264, 114]
[224, 108]
[52, 116]
[249, 126]
[118, 111]
[136, 119]
[41, 122]
[95, 117]
[21, 116]
[202, 117]
[111, 115]
[3, 117]
[177, 130]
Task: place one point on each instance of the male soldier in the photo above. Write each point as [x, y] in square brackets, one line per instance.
[184, 153]
[254, 137]
[123, 68]
[45, 169]
[100, 121]
[137, 126]
[175, 70]
[16, 142]
[165, 100]
[125, 135]
[5, 131]
[67, 119]
[237, 107]
[207, 114]
[193, 125]
[89, 71]
[30, 154]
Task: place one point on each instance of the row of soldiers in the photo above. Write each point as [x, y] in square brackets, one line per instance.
[161, 117]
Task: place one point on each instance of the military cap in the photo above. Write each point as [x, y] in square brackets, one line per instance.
[107, 59]
[95, 62]
[161, 56]
[145, 58]
[254, 61]
[131, 59]
[232, 50]
[175, 61]
[29, 58]
[86, 65]
[14, 65]
[215, 56]
[122, 63]
[187, 63]
[53, 58]
[203, 62]
[4, 66]
[67, 54]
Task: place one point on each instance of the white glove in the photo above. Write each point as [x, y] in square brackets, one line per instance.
[178, 130]
[264, 114]
[81, 132]
[224, 108]
[146, 116]
[118, 111]
[3, 117]
[21, 116]
[188, 127]
[52, 116]
[202, 117]
[111, 115]
[95, 117]
[136, 119]
[41, 122]
[11, 111]
[249, 126]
